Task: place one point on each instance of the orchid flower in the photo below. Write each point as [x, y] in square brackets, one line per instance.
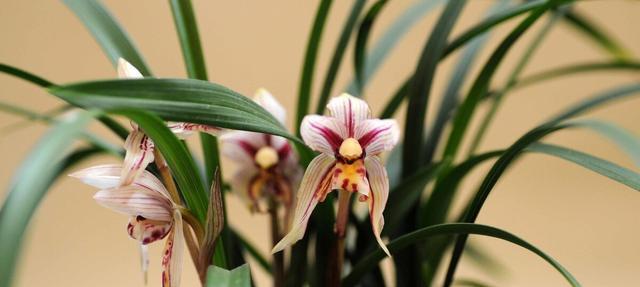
[349, 142]
[268, 167]
[153, 214]
[139, 148]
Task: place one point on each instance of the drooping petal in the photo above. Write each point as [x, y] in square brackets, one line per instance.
[146, 231]
[269, 103]
[351, 177]
[144, 261]
[378, 196]
[127, 71]
[376, 136]
[139, 153]
[184, 130]
[241, 146]
[350, 111]
[314, 188]
[133, 201]
[173, 253]
[323, 134]
[108, 176]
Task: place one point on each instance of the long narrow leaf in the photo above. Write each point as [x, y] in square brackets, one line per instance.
[177, 100]
[22, 74]
[597, 35]
[338, 53]
[308, 68]
[360, 48]
[576, 69]
[239, 277]
[105, 29]
[29, 185]
[391, 36]
[449, 229]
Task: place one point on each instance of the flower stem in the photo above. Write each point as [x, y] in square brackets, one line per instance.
[337, 258]
[167, 179]
[278, 258]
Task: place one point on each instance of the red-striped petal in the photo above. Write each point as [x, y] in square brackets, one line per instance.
[376, 136]
[350, 111]
[378, 197]
[314, 188]
[323, 134]
[139, 153]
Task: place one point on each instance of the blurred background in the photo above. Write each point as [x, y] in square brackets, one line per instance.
[587, 222]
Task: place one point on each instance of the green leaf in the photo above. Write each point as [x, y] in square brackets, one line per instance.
[390, 38]
[449, 229]
[308, 68]
[338, 53]
[22, 74]
[452, 93]
[600, 166]
[554, 124]
[183, 100]
[576, 69]
[480, 86]
[219, 277]
[513, 76]
[360, 49]
[105, 29]
[408, 192]
[29, 185]
[181, 164]
[597, 35]
[420, 87]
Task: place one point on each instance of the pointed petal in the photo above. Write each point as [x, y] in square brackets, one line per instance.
[241, 146]
[314, 187]
[127, 71]
[146, 230]
[107, 176]
[350, 111]
[323, 134]
[139, 153]
[376, 136]
[184, 130]
[378, 196]
[173, 253]
[133, 201]
[100, 176]
[269, 103]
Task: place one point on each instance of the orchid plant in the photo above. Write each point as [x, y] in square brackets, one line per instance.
[311, 183]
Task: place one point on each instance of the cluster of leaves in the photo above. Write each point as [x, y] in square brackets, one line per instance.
[416, 224]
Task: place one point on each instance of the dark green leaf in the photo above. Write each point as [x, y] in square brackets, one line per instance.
[310, 56]
[391, 36]
[452, 93]
[480, 86]
[219, 277]
[448, 229]
[625, 140]
[576, 69]
[338, 53]
[182, 100]
[107, 32]
[420, 87]
[29, 185]
[253, 252]
[360, 49]
[596, 34]
[22, 74]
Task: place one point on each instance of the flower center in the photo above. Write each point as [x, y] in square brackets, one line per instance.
[350, 149]
[266, 157]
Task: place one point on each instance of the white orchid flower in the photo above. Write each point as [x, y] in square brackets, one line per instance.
[139, 148]
[349, 141]
[268, 167]
[153, 215]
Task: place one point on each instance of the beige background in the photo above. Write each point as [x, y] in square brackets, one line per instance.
[587, 222]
